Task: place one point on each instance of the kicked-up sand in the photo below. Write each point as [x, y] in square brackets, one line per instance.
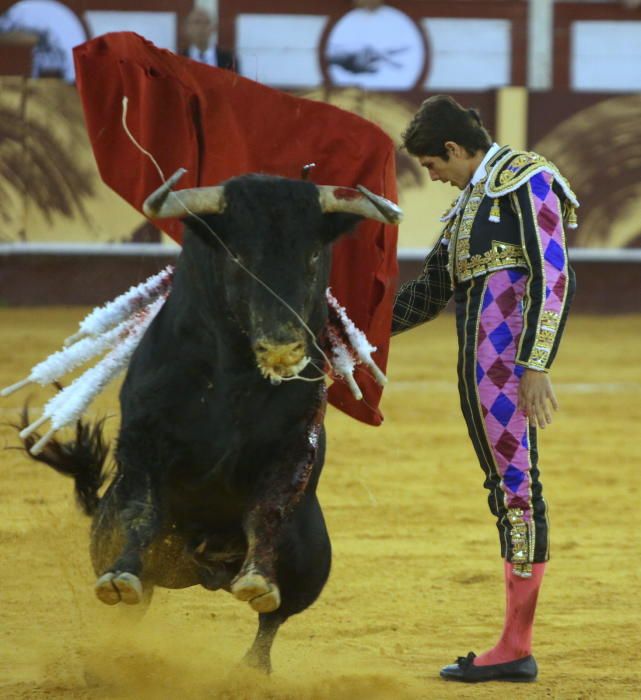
[416, 578]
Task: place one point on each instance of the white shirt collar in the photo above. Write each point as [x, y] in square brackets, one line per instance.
[480, 173]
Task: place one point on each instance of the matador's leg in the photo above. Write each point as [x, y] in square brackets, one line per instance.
[489, 322]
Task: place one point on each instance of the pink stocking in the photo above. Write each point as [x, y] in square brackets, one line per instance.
[516, 639]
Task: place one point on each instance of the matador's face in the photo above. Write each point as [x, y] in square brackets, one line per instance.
[457, 170]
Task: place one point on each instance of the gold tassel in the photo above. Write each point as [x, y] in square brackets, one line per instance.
[495, 212]
[572, 218]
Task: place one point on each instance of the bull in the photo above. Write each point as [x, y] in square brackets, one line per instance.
[221, 443]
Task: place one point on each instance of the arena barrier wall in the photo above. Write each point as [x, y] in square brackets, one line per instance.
[87, 275]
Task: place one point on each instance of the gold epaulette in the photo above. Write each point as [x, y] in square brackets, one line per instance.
[515, 168]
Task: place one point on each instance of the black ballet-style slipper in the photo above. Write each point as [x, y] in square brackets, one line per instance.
[520, 671]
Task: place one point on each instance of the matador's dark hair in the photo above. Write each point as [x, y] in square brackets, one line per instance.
[439, 119]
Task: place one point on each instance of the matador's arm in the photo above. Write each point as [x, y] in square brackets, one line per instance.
[551, 284]
[423, 298]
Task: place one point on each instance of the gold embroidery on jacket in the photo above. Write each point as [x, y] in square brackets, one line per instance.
[462, 228]
[545, 335]
[522, 555]
[462, 248]
[512, 171]
[499, 256]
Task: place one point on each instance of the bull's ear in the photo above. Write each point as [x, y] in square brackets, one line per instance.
[336, 224]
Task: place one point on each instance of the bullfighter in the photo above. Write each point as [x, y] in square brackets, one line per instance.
[502, 254]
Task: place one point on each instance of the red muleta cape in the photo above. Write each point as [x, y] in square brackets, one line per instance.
[218, 125]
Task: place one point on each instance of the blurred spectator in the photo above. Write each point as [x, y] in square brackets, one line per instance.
[199, 31]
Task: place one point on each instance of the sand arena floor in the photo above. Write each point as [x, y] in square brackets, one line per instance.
[416, 571]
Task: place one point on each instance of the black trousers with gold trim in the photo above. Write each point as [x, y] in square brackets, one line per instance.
[489, 319]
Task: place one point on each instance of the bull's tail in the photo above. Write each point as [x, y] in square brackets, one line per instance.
[83, 459]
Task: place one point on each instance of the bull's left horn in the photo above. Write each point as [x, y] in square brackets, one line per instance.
[164, 203]
[359, 201]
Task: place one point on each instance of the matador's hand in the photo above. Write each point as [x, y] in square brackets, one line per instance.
[535, 391]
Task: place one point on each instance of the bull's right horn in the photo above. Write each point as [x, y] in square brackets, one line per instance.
[165, 203]
[359, 201]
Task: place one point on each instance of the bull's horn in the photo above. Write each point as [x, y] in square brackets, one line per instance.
[163, 203]
[359, 201]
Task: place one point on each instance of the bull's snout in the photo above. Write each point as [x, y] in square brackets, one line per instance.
[280, 360]
[287, 354]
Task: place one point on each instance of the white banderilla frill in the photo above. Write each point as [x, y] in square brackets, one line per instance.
[69, 404]
[345, 357]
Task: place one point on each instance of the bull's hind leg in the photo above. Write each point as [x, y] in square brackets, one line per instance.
[136, 524]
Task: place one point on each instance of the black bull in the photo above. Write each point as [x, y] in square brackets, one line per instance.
[222, 442]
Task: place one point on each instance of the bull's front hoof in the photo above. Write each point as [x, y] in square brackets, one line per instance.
[112, 588]
[263, 596]
[268, 602]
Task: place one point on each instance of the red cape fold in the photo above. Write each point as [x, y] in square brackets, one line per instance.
[218, 125]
